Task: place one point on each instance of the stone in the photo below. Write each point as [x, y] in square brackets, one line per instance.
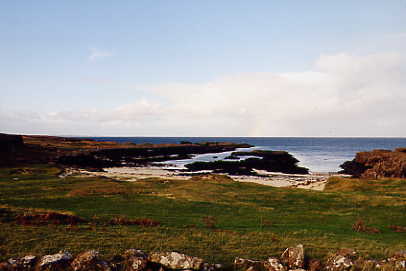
[210, 267]
[342, 260]
[293, 257]
[377, 164]
[248, 265]
[135, 260]
[5, 266]
[176, 260]
[24, 263]
[89, 260]
[315, 265]
[398, 260]
[273, 264]
[58, 261]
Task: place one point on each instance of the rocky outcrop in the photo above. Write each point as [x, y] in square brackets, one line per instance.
[273, 161]
[143, 155]
[83, 152]
[377, 164]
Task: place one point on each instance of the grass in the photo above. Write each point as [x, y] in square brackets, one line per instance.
[213, 217]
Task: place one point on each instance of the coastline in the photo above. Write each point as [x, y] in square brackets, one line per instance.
[312, 181]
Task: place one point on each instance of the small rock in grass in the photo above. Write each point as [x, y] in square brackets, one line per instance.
[58, 261]
[293, 257]
[273, 264]
[135, 260]
[175, 260]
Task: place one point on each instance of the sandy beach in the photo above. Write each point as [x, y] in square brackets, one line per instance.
[313, 181]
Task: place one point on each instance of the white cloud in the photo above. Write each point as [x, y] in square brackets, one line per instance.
[343, 95]
[96, 54]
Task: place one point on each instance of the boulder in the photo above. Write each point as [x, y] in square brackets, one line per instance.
[247, 264]
[314, 265]
[377, 164]
[342, 260]
[273, 264]
[293, 257]
[24, 263]
[274, 161]
[398, 260]
[58, 261]
[210, 267]
[89, 260]
[135, 260]
[175, 260]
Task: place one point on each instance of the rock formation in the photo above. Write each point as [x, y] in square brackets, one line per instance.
[274, 161]
[377, 164]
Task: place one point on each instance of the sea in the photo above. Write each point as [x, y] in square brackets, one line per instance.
[319, 154]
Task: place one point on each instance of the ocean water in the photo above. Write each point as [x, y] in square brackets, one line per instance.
[317, 154]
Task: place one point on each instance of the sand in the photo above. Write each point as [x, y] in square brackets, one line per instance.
[313, 181]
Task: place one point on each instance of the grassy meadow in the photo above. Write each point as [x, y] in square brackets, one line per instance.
[212, 217]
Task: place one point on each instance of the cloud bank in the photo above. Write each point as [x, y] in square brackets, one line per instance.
[342, 95]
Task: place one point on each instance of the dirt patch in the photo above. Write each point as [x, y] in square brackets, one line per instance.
[29, 219]
[396, 228]
[144, 222]
[360, 226]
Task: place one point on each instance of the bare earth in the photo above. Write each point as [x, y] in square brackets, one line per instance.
[313, 181]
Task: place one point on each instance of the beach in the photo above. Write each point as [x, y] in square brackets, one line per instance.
[313, 181]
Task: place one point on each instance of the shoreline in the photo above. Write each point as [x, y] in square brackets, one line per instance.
[313, 181]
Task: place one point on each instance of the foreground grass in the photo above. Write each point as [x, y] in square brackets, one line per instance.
[214, 218]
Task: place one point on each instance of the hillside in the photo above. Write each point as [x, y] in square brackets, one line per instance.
[229, 219]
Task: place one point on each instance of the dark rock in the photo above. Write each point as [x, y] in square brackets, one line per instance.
[314, 265]
[231, 157]
[377, 164]
[247, 264]
[135, 260]
[275, 161]
[143, 156]
[89, 260]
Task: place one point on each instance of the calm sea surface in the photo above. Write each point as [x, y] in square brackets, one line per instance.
[317, 154]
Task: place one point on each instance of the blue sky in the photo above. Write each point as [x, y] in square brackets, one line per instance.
[84, 61]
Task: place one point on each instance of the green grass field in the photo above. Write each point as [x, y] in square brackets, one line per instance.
[214, 218]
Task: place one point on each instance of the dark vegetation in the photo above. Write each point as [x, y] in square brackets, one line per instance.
[275, 161]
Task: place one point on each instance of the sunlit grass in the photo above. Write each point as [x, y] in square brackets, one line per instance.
[249, 220]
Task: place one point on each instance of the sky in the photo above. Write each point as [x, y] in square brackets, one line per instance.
[203, 68]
